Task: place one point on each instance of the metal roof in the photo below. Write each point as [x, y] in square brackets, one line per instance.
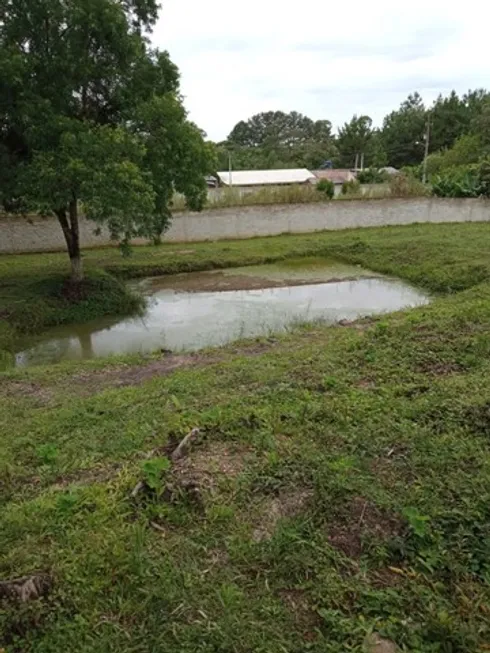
[265, 177]
[336, 175]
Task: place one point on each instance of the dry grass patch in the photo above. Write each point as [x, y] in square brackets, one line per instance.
[361, 519]
[289, 503]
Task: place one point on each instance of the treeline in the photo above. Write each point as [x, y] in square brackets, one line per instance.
[459, 128]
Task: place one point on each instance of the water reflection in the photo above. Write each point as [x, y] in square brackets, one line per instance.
[190, 321]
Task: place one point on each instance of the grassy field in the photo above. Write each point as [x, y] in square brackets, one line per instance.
[339, 484]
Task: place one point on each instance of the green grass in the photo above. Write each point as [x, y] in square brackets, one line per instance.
[341, 484]
[33, 301]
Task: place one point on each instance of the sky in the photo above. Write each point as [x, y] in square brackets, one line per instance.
[327, 60]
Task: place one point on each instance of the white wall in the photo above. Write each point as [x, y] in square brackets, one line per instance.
[44, 234]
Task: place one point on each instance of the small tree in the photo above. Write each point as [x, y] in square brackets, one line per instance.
[91, 118]
[326, 187]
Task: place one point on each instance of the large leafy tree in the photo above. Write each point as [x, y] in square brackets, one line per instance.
[275, 139]
[450, 118]
[403, 132]
[355, 139]
[91, 117]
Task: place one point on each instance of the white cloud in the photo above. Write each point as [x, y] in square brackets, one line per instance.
[327, 60]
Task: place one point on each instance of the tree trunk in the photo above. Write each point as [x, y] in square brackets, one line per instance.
[69, 225]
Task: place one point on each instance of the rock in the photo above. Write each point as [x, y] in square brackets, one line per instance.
[27, 588]
[374, 643]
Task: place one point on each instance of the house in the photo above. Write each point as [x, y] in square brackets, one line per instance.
[250, 180]
[337, 176]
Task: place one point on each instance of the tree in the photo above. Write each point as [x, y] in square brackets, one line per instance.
[279, 140]
[354, 140]
[403, 133]
[480, 124]
[450, 119]
[91, 116]
[466, 150]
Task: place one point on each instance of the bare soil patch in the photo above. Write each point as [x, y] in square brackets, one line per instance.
[218, 281]
[206, 465]
[291, 503]
[28, 389]
[302, 612]
[27, 588]
[440, 368]
[359, 520]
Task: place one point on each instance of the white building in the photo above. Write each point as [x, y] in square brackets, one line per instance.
[255, 179]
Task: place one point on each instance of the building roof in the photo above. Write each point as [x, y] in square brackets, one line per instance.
[389, 170]
[338, 176]
[265, 177]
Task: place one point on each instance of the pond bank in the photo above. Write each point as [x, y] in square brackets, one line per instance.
[189, 312]
[437, 258]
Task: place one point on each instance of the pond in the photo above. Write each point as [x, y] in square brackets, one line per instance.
[197, 310]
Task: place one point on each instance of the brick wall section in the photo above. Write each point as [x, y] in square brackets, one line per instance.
[44, 234]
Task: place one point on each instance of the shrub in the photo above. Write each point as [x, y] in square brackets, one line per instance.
[407, 186]
[371, 176]
[326, 187]
[463, 181]
[484, 173]
[413, 171]
[352, 187]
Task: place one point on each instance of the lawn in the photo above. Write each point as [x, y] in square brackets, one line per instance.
[339, 484]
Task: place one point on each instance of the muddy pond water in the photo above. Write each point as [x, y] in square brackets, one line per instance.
[191, 311]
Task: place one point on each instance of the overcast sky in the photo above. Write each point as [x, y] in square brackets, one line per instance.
[325, 59]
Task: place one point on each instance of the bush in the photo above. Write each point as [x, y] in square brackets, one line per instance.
[413, 171]
[351, 187]
[372, 176]
[326, 187]
[54, 301]
[407, 186]
[484, 173]
[463, 181]
[467, 150]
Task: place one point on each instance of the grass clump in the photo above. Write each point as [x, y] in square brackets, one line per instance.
[30, 303]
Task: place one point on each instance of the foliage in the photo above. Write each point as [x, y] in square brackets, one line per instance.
[154, 471]
[403, 185]
[467, 149]
[275, 140]
[91, 114]
[349, 467]
[49, 301]
[280, 140]
[372, 176]
[450, 119]
[484, 176]
[351, 187]
[326, 187]
[403, 132]
[463, 181]
[275, 129]
[354, 139]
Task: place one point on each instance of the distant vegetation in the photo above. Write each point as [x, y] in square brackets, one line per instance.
[459, 134]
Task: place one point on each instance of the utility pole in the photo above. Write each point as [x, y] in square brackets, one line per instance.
[357, 161]
[230, 172]
[362, 161]
[426, 155]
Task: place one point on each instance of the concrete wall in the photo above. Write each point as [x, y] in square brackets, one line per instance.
[44, 234]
